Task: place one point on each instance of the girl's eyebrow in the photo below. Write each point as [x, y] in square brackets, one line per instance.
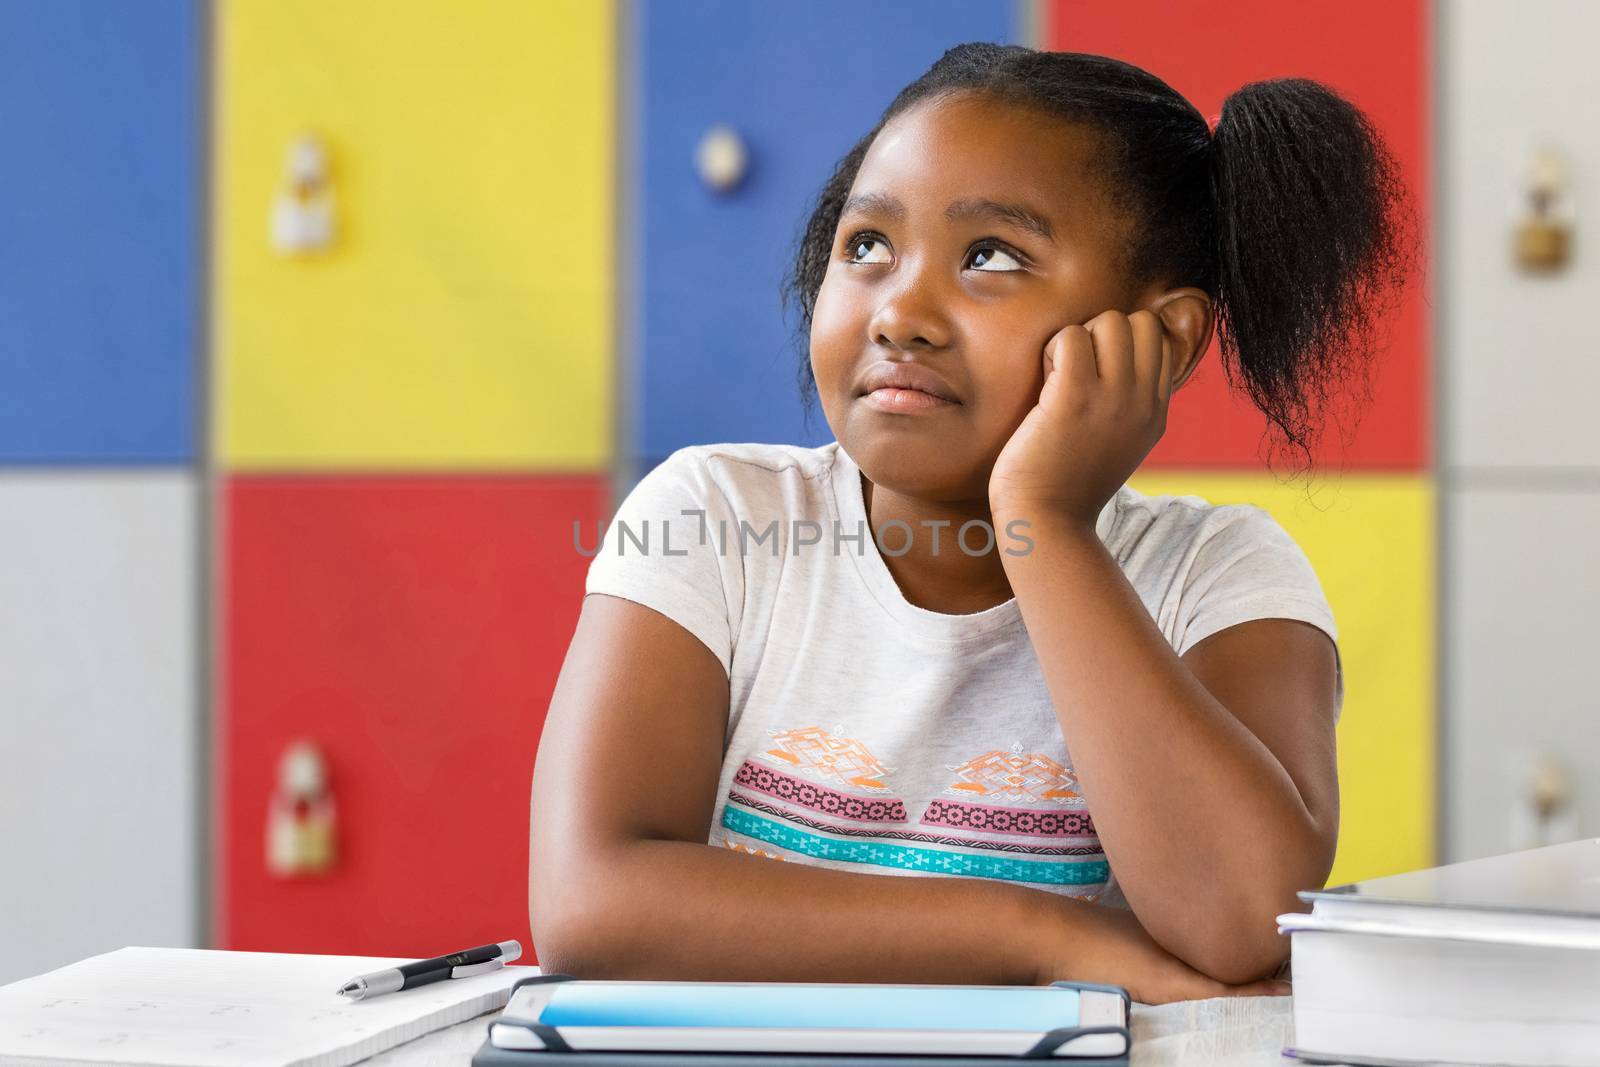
[1019, 215]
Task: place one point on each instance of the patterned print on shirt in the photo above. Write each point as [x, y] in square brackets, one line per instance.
[986, 819]
[909, 858]
[755, 778]
[803, 797]
[737, 847]
[756, 804]
[815, 752]
[1044, 802]
[1014, 777]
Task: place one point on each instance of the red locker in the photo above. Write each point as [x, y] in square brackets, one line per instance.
[413, 628]
[1376, 53]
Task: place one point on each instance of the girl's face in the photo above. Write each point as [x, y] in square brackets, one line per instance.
[974, 232]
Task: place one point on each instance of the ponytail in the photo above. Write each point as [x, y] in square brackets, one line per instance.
[1314, 240]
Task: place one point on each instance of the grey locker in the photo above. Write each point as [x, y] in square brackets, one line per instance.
[1521, 638]
[98, 714]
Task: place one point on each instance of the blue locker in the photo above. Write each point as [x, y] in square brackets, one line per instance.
[100, 227]
[712, 352]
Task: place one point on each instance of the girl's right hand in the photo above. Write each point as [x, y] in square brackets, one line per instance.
[1106, 944]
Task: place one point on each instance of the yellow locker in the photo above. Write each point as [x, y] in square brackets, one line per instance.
[461, 316]
[1370, 538]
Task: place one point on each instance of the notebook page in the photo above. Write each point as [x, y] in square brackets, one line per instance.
[177, 1007]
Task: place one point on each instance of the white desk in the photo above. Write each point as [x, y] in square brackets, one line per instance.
[1225, 1032]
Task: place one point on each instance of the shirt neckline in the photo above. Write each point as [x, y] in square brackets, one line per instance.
[848, 504]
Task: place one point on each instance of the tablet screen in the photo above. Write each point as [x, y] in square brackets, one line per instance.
[812, 1006]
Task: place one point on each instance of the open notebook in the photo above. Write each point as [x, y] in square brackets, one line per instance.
[176, 1007]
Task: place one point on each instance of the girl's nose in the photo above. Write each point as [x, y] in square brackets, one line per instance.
[909, 315]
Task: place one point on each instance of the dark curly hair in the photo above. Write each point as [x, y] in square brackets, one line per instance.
[1292, 215]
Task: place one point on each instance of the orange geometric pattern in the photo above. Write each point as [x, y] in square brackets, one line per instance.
[1029, 777]
[753, 851]
[813, 750]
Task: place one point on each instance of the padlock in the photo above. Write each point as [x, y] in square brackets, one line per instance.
[302, 214]
[301, 836]
[1543, 239]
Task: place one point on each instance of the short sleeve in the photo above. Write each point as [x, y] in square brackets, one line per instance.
[662, 549]
[1250, 568]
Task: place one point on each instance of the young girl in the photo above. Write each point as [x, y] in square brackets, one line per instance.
[945, 701]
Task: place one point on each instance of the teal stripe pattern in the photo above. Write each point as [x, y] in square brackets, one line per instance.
[929, 860]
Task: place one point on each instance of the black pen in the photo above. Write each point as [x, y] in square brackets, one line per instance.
[480, 960]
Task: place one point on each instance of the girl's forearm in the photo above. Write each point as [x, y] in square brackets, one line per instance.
[684, 911]
[1206, 831]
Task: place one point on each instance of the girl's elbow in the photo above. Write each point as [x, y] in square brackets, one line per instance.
[1243, 944]
[1244, 957]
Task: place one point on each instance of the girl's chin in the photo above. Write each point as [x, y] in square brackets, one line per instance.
[933, 471]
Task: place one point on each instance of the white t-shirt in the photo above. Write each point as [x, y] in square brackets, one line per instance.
[866, 733]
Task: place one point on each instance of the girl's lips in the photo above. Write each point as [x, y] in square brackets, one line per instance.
[906, 401]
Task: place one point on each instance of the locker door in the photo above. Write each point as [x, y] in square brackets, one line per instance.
[412, 628]
[99, 281]
[1377, 53]
[1520, 645]
[97, 685]
[713, 357]
[461, 314]
[1520, 385]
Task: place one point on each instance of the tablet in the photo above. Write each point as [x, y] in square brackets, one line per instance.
[595, 1014]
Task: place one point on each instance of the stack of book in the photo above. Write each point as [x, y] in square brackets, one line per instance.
[1494, 961]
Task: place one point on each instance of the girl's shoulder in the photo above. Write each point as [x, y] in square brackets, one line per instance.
[743, 474]
[1207, 566]
[755, 460]
[738, 481]
[1191, 526]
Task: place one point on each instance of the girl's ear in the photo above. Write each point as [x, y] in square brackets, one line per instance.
[1187, 320]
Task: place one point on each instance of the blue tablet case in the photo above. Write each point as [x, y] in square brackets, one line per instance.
[557, 1053]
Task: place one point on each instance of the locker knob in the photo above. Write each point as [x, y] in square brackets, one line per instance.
[1543, 240]
[721, 159]
[1545, 813]
[302, 213]
[300, 834]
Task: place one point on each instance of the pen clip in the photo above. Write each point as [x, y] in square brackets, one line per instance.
[470, 969]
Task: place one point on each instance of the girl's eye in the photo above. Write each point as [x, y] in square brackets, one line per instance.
[853, 251]
[989, 258]
[986, 254]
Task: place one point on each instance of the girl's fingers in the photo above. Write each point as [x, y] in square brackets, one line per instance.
[1113, 346]
[1266, 987]
[1052, 380]
[1074, 357]
[1149, 353]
